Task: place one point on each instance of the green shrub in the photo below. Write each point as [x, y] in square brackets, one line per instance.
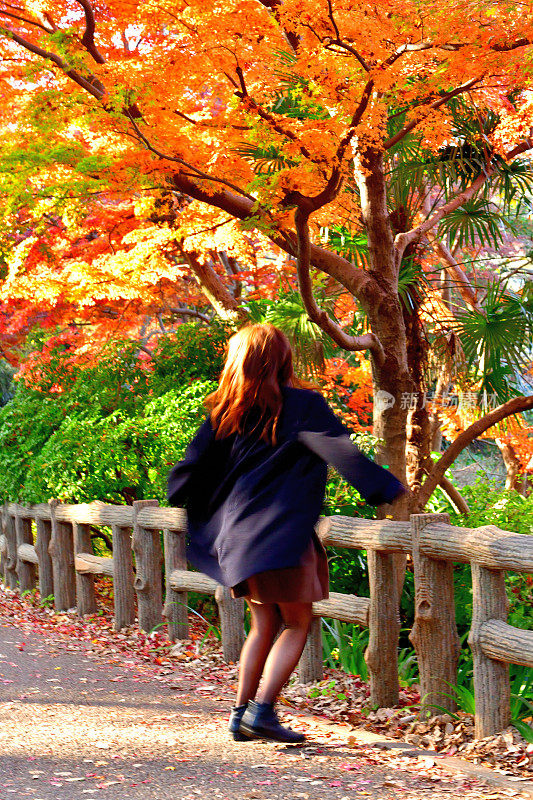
[510, 511]
[110, 430]
[192, 353]
[118, 458]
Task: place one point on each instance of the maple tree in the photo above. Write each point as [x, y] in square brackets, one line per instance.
[111, 274]
[284, 117]
[86, 255]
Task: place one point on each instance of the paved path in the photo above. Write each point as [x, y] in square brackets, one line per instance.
[74, 727]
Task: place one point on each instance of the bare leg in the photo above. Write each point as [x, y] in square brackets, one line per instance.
[265, 624]
[286, 652]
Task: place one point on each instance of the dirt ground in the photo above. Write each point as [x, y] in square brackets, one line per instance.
[76, 724]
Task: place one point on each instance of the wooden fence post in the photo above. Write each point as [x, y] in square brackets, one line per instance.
[231, 623]
[175, 610]
[123, 578]
[311, 664]
[491, 678]
[148, 558]
[25, 570]
[384, 623]
[61, 549]
[434, 634]
[42, 543]
[85, 595]
[11, 558]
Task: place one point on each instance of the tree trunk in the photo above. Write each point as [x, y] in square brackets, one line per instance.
[513, 479]
[391, 381]
[441, 391]
[381, 303]
[419, 434]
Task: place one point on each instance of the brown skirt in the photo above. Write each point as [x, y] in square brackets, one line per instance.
[306, 583]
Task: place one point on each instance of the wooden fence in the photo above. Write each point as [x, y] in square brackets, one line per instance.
[57, 538]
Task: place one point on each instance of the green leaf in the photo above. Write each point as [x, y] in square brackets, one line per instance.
[525, 730]
[310, 345]
[351, 244]
[474, 223]
[266, 159]
[497, 340]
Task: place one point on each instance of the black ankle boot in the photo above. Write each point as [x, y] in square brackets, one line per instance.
[259, 721]
[235, 718]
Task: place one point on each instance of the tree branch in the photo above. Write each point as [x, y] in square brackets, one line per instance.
[231, 266]
[523, 147]
[213, 287]
[356, 280]
[363, 103]
[340, 43]
[464, 286]
[95, 89]
[452, 268]
[514, 406]
[207, 123]
[90, 29]
[318, 315]
[268, 117]
[455, 496]
[355, 120]
[402, 240]
[273, 6]
[505, 47]
[26, 21]
[189, 312]
[198, 173]
[511, 461]
[240, 205]
[432, 107]
[96, 533]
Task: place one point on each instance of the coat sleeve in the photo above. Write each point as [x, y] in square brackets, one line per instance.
[326, 436]
[183, 475]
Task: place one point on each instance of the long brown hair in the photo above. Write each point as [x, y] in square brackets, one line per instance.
[258, 364]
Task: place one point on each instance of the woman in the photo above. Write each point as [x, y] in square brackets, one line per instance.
[253, 481]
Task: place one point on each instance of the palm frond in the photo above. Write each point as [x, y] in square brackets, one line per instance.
[473, 223]
[297, 103]
[412, 282]
[497, 341]
[514, 184]
[265, 159]
[295, 97]
[310, 344]
[353, 245]
[462, 159]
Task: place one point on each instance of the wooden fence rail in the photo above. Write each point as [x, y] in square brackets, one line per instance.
[56, 539]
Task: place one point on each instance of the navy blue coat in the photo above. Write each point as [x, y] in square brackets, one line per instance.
[253, 506]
